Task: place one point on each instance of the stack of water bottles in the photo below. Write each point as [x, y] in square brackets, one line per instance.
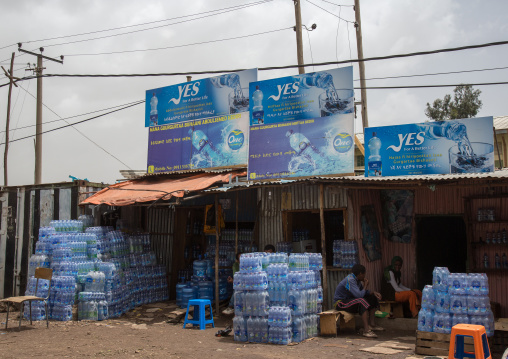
[228, 238]
[345, 254]
[251, 299]
[455, 298]
[305, 294]
[97, 269]
[277, 297]
[284, 247]
[300, 235]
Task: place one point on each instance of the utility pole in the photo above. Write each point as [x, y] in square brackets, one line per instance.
[11, 82]
[298, 30]
[38, 124]
[359, 46]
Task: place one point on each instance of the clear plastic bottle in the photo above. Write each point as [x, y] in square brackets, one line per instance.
[257, 110]
[153, 110]
[375, 163]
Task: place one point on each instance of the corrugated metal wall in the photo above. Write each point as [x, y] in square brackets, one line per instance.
[434, 201]
[160, 225]
[302, 196]
[23, 210]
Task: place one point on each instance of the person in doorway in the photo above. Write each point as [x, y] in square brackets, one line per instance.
[393, 289]
[269, 248]
[236, 267]
[352, 295]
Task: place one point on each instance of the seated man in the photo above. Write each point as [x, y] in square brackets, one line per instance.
[352, 296]
[269, 248]
[392, 288]
[231, 306]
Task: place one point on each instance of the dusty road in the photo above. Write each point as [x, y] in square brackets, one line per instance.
[145, 333]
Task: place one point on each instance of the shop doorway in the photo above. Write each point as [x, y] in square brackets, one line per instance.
[303, 229]
[441, 242]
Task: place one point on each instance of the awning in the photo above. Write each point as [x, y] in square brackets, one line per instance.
[155, 188]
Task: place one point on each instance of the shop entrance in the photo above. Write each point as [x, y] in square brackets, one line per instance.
[441, 242]
[303, 229]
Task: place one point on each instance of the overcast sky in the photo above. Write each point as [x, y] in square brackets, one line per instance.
[118, 141]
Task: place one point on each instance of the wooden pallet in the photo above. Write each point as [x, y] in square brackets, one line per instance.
[437, 344]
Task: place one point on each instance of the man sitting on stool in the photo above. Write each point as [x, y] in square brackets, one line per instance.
[352, 296]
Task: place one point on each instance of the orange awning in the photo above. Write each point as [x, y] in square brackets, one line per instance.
[149, 189]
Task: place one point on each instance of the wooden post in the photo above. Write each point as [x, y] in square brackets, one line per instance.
[217, 223]
[236, 230]
[11, 82]
[298, 30]
[323, 243]
[361, 64]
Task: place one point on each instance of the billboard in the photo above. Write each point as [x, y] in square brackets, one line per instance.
[302, 148]
[215, 142]
[454, 146]
[215, 96]
[312, 95]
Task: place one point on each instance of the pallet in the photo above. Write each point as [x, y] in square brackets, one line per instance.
[500, 338]
[328, 322]
[437, 344]
[393, 307]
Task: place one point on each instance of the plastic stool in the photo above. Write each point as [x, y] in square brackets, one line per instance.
[480, 343]
[198, 316]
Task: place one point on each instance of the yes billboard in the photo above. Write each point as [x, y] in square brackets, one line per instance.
[312, 95]
[211, 97]
[208, 143]
[302, 148]
[454, 146]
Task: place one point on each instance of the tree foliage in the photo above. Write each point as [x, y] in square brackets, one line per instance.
[465, 104]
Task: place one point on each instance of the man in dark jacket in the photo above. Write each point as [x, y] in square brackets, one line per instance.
[353, 296]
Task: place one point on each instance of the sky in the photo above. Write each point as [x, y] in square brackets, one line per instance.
[119, 37]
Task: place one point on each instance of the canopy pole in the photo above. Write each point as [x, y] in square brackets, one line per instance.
[217, 301]
[236, 232]
[323, 243]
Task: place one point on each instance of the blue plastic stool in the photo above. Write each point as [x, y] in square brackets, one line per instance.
[198, 316]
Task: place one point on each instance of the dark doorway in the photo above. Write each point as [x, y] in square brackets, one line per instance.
[441, 242]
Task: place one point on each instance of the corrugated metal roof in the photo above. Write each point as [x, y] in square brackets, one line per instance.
[499, 174]
[501, 122]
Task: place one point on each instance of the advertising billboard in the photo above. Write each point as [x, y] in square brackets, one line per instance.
[302, 148]
[312, 95]
[454, 146]
[215, 142]
[211, 97]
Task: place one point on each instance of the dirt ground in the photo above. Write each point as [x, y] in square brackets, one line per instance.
[145, 333]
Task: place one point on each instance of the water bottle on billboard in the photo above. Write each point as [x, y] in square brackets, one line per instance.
[257, 111]
[153, 111]
[374, 164]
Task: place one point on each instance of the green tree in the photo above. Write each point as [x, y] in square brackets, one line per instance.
[465, 104]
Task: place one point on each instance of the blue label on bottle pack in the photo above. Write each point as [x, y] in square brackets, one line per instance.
[374, 168]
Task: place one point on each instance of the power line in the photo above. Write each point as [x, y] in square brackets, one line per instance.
[157, 27]
[451, 49]
[356, 88]
[331, 13]
[76, 123]
[339, 5]
[185, 45]
[67, 118]
[142, 24]
[434, 74]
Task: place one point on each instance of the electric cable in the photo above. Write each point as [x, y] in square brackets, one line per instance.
[331, 13]
[151, 28]
[75, 123]
[142, 24]
[179, 46]
[376, 58]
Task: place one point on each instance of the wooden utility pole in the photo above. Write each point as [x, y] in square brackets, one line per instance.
[38, 124]
[298, 30]
[11, 82]
[359, 46]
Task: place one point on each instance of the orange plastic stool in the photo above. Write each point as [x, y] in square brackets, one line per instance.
[480, 343]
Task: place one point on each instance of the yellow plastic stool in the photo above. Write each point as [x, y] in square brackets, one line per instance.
[480, 343]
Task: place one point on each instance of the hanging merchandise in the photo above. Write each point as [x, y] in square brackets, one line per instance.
[210, 219]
